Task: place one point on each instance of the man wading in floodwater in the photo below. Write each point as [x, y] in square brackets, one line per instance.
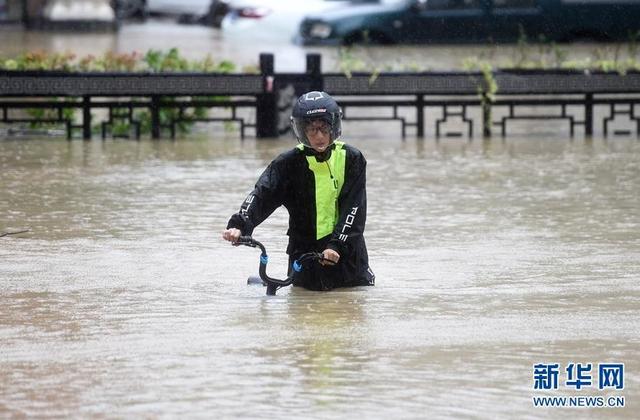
[322, 183]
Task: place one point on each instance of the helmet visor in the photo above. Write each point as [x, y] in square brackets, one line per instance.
[304, 128]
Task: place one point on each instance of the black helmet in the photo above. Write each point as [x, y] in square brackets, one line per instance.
[316, 106]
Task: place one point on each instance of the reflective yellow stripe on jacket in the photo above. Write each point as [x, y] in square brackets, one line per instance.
[329, 179]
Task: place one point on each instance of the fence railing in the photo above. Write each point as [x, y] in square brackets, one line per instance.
[586, 100]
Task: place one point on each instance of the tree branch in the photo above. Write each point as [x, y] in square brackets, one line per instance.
[13, 233]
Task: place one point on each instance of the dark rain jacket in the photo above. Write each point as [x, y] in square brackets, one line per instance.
[327, 206]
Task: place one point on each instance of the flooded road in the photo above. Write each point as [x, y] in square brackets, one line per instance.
[243, 48]
[123, 301]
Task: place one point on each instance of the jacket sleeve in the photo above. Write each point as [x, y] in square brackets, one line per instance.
[261, 202]
[353, 207]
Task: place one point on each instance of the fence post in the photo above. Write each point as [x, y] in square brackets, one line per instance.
[588, 114]
[266, 106]
[487, 120]
[155, 117]
[420, 116]
[314, 71]
[86, 117]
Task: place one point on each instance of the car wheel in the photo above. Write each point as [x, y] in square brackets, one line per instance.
[367, 37]
[589, 36]
[131, 9]
[217, 11]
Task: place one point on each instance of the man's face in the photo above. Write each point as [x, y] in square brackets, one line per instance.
[319, 134]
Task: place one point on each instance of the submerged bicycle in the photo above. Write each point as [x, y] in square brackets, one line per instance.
[274, 284]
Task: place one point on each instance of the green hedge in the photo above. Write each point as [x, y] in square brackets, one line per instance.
[153, 61]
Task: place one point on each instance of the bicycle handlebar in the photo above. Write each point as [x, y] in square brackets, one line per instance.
[274, 284]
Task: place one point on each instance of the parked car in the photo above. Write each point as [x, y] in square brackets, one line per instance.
[78, 13]
[423, 21]
[274, 20]
[210, 12]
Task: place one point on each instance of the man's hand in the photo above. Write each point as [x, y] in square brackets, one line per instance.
[231, 235]
[330, 257]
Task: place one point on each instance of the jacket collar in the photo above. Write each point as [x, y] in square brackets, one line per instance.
[320, 156]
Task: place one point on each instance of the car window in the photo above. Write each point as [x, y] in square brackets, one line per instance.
[515, 4]
[453, 4]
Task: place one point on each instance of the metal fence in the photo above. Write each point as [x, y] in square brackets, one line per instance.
[419, 102]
